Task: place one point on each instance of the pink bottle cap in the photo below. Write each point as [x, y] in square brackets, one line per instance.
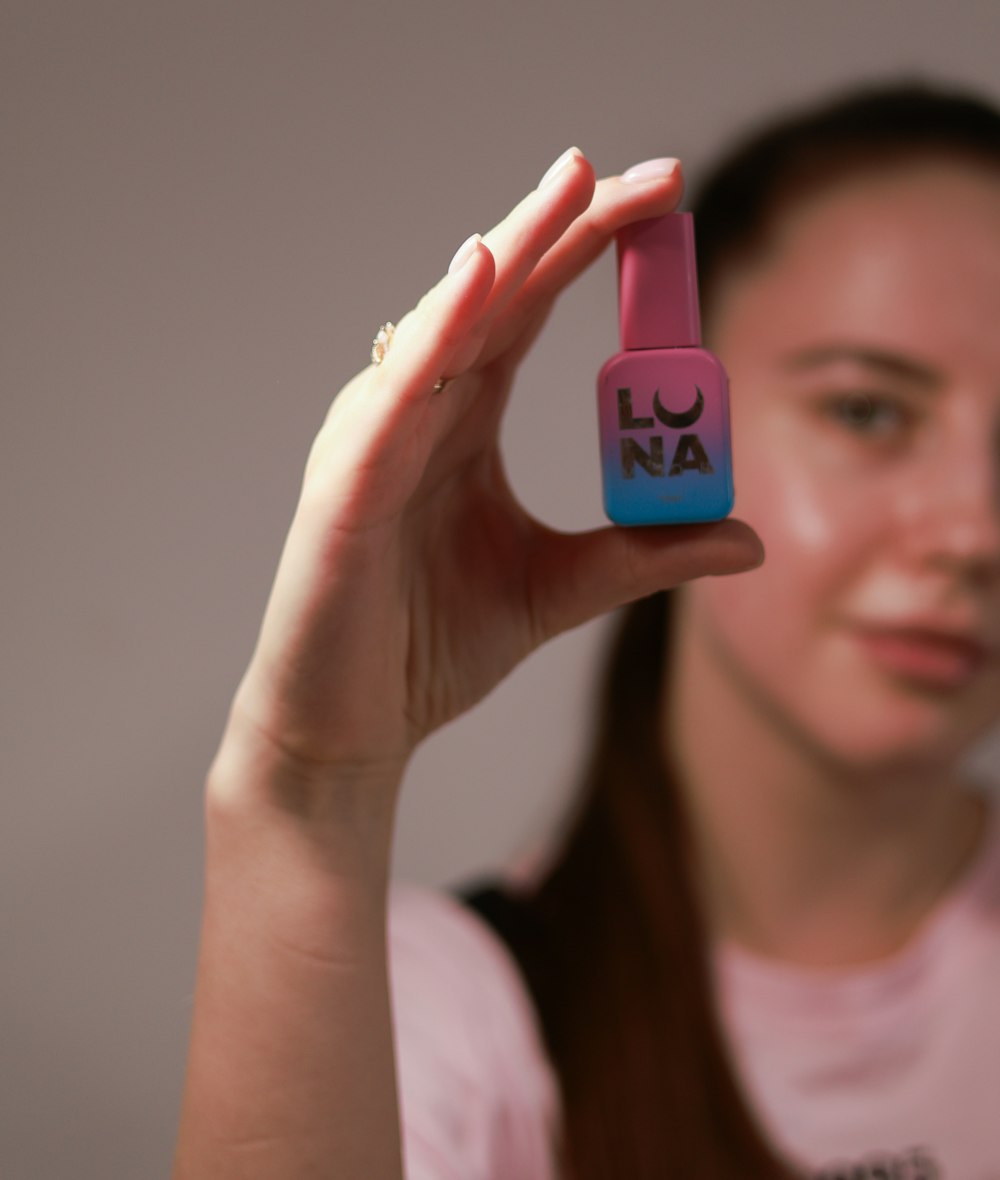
[658, 284]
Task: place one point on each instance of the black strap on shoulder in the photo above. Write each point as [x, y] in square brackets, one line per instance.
[501, 909]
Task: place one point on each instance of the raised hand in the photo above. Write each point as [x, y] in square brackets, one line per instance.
[412, 580]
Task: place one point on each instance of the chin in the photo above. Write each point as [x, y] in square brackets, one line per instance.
[887, 730]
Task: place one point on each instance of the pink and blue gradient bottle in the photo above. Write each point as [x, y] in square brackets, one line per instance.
[663, 402]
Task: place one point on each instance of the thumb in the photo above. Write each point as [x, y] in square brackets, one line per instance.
[577, 576]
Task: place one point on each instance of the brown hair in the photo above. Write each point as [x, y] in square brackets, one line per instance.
[610, 941]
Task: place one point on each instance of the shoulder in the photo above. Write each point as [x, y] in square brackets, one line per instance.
[432, 933]
[477, 1093]
[454, 980]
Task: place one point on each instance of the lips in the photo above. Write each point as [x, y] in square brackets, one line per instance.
[935, 658]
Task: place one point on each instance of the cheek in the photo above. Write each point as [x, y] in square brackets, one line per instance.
[819, 535]
[796, 485]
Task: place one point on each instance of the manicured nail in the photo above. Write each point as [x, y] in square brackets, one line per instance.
[651, 170]
[567, 156]
[464, 252]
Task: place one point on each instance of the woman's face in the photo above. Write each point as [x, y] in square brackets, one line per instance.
[863, 350]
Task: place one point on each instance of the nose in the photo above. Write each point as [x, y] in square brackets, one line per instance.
[954, 515]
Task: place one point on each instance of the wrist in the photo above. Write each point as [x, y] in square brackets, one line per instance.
[343, 814]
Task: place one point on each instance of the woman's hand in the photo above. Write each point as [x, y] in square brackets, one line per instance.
[412, 580]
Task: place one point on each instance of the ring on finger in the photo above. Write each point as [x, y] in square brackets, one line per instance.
[380, 346]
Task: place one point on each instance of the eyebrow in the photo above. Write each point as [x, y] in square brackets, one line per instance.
[891, 364]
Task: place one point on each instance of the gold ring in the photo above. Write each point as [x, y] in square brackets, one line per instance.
[380, 346]
[383, 338]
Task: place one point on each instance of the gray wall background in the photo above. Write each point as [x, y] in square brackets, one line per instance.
[207, 211]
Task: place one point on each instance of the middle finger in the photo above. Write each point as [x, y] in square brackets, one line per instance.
[616, 202]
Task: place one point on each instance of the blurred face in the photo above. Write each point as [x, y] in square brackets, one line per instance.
[864, 354]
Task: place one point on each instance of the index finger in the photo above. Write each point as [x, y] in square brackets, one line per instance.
[646, 190]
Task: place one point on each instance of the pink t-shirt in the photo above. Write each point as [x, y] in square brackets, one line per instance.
[888, 1072]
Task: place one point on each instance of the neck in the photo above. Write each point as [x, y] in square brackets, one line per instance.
[802, 856]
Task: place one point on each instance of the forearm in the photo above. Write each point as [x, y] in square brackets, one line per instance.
[291, 1071]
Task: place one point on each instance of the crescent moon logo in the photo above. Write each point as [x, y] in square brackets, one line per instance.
[677, 421]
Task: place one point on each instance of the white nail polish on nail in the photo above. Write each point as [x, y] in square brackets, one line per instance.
[464, 252]
[559, 165]
[650, 170]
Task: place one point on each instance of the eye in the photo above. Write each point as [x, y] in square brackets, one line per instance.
[872, 415]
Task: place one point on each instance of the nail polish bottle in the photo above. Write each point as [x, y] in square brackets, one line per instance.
[663, 401]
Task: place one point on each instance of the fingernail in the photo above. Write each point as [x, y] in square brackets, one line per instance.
[755, 562]
[559, 165]
[651, 170]
[464, 252]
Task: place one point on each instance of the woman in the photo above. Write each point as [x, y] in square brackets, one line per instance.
[766, 944]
